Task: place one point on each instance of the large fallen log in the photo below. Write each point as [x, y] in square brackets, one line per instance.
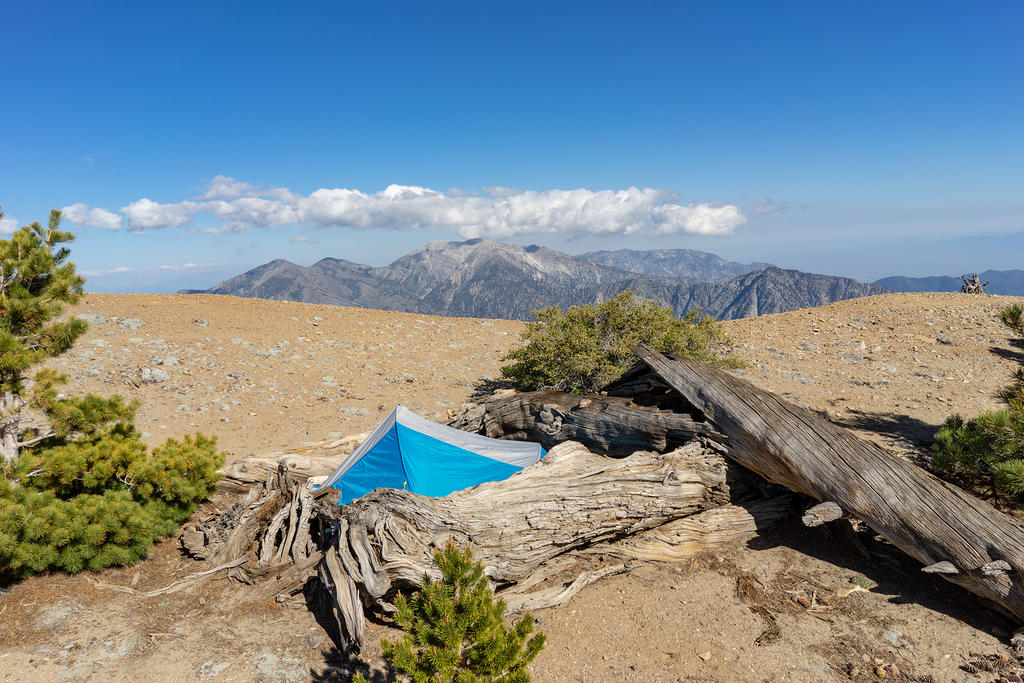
[954, 534]
[612, 425]
[543, 534]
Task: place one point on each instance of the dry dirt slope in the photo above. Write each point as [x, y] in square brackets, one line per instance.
[268, 375]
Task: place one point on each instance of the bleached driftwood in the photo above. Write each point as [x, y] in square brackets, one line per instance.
[960, 537]
[539, 533]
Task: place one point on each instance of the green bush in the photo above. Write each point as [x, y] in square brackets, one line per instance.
[988, 450]
[455, 629]
[99, 500]
[586, 346]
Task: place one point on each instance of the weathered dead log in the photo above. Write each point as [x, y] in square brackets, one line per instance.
[611, 425]
[316, 460]
[527, 529]
[924, 516]
[540, 533]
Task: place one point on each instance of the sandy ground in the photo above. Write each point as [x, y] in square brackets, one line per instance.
[265, 376]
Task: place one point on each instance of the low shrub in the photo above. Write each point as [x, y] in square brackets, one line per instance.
[99, 499]
[586, 346]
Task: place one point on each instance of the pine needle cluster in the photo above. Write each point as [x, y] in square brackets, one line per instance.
[455, 629]
[581, 349]
[988, 451]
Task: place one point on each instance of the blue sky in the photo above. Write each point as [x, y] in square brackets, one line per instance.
[192, 141]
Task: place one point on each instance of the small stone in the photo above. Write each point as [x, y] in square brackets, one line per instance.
[705, 655]
[200, 322]
[892, 636]
[315, 642]
[131, 323]
[211, 670]
[154, 375]
[92, 318]
[809, 346]
[945, 340]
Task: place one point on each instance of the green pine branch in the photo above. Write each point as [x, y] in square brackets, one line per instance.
[455, 628]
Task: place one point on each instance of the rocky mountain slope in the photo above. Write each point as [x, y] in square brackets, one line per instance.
[1008, 282]
[677, 263]
[482, 278]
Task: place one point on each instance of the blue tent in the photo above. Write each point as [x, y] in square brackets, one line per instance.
[406, 451]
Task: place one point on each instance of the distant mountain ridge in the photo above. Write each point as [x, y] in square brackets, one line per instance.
[1008, 282]
[486, 279]
[678, 263]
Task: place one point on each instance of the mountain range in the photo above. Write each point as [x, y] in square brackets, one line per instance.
[678, 263]
[487, 279]
[1010, 282]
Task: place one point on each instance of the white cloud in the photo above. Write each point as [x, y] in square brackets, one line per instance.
[500, 213]
[226, 187]
[93, 217]
[184, 266]
[145, 213]
[119, 269]
[244, 212]
[499, 191]
[302, 239]
[700, 219]
[8, 226]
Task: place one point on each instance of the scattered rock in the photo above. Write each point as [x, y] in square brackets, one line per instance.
[893, 636]
[212, 670]
[154, 375]
[131, 323]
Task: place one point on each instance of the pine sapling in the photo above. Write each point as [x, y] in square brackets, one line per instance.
[455, 628]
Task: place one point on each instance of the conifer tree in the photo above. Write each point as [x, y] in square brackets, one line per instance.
[82, 492]
[455, 629]
[36, 280]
